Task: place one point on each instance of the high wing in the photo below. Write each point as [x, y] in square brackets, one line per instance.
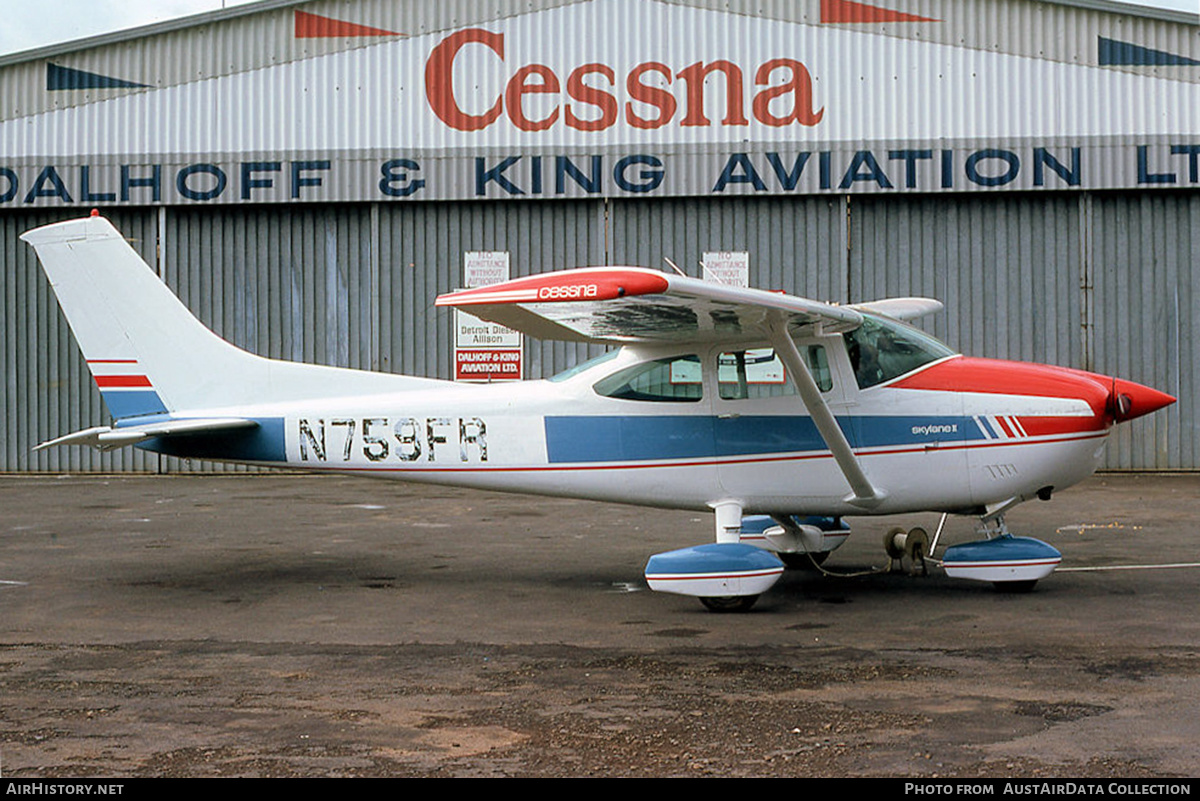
[630, 304]
[633, 304]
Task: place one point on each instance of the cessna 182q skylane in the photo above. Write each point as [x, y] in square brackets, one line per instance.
[739, 401]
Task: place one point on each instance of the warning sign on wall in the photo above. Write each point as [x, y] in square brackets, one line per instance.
[731, 268]
[486, 351]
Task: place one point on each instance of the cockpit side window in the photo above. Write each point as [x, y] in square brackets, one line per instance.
[672, 380]
[882, 349]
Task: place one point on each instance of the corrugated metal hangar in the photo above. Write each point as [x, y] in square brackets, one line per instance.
[308, 176]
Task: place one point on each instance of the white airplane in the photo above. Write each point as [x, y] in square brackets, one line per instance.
[776, 413]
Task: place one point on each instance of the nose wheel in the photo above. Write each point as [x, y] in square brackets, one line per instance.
[1011, 564]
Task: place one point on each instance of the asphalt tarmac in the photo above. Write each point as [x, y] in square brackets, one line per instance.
[290, 625]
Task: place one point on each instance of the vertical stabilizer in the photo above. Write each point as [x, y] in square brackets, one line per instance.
[146, 351]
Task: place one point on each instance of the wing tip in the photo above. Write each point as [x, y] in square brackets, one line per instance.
[909, 308]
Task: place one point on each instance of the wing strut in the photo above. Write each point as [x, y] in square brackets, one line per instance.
[865, 494]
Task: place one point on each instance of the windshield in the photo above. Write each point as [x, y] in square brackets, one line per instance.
[882, 349]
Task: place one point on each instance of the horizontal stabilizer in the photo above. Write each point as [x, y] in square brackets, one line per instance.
[107, 438]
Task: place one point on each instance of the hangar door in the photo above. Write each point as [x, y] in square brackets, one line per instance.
[1097, 281]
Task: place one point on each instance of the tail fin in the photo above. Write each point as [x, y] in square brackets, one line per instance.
[146, 351]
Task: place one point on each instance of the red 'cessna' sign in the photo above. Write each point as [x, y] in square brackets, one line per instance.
[590, 103]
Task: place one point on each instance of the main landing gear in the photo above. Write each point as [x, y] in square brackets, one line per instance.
[729, 603]
[727, 576]
[749, 556]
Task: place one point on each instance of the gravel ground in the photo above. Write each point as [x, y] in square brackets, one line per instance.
[320, 626]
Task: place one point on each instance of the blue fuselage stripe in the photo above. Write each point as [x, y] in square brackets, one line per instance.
[639, 438]
[262, 444]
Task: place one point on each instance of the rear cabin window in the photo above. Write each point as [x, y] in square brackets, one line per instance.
[673, 380]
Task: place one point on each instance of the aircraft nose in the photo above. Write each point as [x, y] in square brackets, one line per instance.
[1127, 400]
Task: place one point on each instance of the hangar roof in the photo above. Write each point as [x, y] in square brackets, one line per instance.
[250, 9]
[339, 100]
[209, 17]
